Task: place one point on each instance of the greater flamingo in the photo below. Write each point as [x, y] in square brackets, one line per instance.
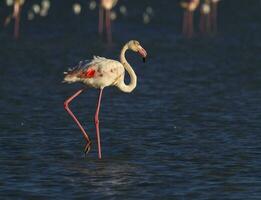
[205, 19]
[105, 7]
[214, 5]
[100, 73]
[16, 16]
[189, 7]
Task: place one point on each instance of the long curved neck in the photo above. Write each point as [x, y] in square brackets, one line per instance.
[133, 78]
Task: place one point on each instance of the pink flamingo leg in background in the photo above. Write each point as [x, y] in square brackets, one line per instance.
[101, 11]
[202, 23]
[17, 18]
[108, 26]
[96, 119]
[190, 24]
[214, 17]
[66, 106]
[208, 24]
[185, 23]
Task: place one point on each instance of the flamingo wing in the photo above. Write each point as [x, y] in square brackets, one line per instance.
[98, 67]
[83, 69]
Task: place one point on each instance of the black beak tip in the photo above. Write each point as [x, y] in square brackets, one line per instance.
[144, 59]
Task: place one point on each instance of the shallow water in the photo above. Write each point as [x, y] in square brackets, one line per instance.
[190, 130]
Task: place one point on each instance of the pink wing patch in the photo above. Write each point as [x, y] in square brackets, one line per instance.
[90, 73]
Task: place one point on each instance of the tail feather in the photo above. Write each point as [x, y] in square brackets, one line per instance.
[79, 72]
[71, 76]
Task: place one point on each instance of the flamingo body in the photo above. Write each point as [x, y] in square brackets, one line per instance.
[108, 4]
[98, 73]
[190, 5]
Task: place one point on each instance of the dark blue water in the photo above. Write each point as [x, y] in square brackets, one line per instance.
[190, 130]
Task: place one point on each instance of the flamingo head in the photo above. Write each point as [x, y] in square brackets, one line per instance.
[135, 46]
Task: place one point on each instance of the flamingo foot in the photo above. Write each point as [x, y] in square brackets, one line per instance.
[87, 147]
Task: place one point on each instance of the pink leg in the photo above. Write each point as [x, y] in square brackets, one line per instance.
[192, 23]
[188, 24]
[208, 24]
[214, 17]
[191, 30]
[17, 19]
[202, 23]
[66, 106]
[108, 26]
[96, 119]
[185, 23]
[101, 11]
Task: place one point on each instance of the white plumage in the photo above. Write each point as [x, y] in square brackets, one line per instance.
[107, 72]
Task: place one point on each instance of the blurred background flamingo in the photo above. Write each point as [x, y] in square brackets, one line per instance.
[205, 18]
[189, 7]
[214, 15]
[105, 12]
[17, 8]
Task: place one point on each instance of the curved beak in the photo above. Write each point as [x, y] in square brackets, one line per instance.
[143, 53]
